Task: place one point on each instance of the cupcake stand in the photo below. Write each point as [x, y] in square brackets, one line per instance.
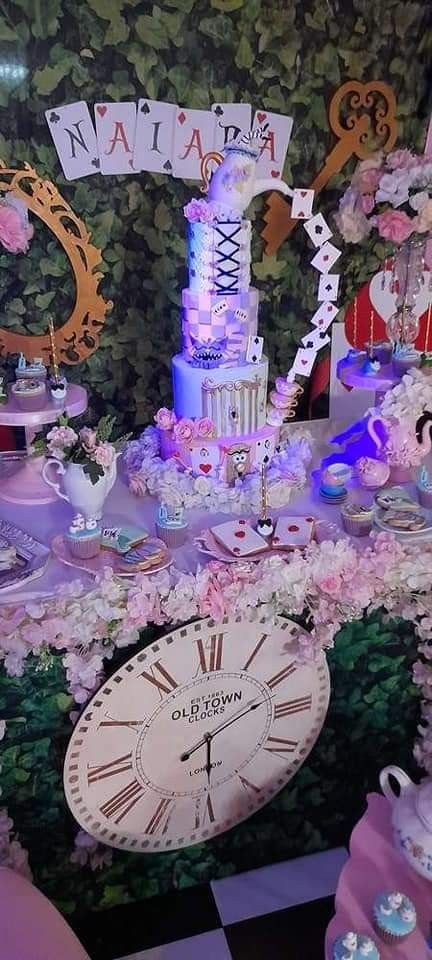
[350, 373]
[22, 483]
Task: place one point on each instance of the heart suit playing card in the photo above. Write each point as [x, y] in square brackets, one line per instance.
[238, 537]
[293, 532]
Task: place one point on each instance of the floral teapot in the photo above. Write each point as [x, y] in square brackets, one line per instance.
[234, 183]
[411, 818]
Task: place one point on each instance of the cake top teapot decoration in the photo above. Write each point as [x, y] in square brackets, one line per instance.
[411, 818]
[234, 183]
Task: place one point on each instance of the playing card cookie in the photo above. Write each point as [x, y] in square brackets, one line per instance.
[395, 498]
[402, 520]
[143, 557]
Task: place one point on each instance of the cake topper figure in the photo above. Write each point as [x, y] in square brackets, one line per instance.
[234, 184]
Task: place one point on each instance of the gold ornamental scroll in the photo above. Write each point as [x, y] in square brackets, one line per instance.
[79, 336]
[363, 118]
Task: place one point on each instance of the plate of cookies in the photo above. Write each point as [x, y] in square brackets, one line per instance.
[148, 556]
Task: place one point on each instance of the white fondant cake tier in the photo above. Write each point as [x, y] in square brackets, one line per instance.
[233, 398]
[219, 256]
[216, 329]
[227, 456]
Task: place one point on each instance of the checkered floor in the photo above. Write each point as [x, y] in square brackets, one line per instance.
[275, 913]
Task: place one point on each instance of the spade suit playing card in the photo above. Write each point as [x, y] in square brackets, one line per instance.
[193, 138]
[316, 339]
[325, 257]
[302, 204]
[254, 349]
[154, 136]
[324, 316]
[318, 230]
[293, 532]
[115, 130]
[74, 138]
[238, 537]
[231, 120]
[328, 287]
[271, 160]
[303, 363]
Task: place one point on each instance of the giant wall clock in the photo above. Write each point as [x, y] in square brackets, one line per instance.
[194, 734]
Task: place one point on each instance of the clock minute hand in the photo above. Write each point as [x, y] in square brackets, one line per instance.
[252, 705]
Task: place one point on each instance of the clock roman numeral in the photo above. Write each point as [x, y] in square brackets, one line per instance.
[208, 812]
[210, 660]
[248, 785]
[110, 722]
[122, 802]
[279, 745]
[282, 675]
[166, 685]
[256, 650]
[292, 706]
[156, 821]
[99, 771]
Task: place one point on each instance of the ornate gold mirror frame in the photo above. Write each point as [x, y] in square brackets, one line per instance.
[78, 337]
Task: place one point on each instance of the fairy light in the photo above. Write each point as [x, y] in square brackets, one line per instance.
[371, 328]
[427, 327]
[355, 322]
[263, 492]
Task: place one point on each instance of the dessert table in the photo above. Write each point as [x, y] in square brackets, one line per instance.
[376, 866]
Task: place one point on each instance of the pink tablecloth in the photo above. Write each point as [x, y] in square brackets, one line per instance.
[374, 866]
[30, 927]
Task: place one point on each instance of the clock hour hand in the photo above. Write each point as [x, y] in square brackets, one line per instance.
[208, 739]
[251, 705]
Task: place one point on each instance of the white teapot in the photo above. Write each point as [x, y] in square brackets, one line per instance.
[234, 183]
[411, 818]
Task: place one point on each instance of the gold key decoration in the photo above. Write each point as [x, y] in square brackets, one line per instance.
[363, 118]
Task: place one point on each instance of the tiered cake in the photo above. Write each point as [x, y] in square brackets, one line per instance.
[222, 426]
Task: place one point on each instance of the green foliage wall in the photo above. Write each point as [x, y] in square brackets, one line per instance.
[285, 55]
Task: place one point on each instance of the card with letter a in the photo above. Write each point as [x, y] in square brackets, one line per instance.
[272, 157]
[154, 136]
[74, 139]
[193, 138]
[115, 130]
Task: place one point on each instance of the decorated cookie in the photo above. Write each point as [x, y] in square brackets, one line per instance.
[403, 520]
[143, 557]
[395, 498]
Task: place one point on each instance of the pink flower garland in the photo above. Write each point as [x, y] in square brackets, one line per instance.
[331, 583]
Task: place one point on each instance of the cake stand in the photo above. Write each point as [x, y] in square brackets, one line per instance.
[24, 483]
[350, 374]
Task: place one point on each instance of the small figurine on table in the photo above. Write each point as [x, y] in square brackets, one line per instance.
[265, 526]
[57, 384]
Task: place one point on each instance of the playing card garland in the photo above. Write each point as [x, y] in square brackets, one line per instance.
[159, 137]
[78, 338]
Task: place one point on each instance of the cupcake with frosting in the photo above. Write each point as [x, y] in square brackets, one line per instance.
[84, 537]
[355, 946]
[357, 518]
[394, 917]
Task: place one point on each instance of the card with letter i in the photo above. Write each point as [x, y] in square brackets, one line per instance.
[115, 130]
[154, 136]
[74, 139]
[271, 160]
[193, 138]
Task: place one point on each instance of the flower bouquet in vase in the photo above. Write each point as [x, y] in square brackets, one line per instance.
[393, 195]
[87, 463]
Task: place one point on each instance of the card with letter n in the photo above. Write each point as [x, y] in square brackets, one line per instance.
[193, 138]
[154, 136]
[115, 130]
[74, 138]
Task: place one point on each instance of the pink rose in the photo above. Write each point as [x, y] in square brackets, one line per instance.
[198, 211]
[394, 225]
[401, 160]
[204, 427]
[366, 181]
[210, 597]
[165, 419]
[371, 163]
[15, 233]
[331, 584]
[88, 438]
[137, 485]
[184, 430]
[367, 203]
[104, 454]
[423, 221]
